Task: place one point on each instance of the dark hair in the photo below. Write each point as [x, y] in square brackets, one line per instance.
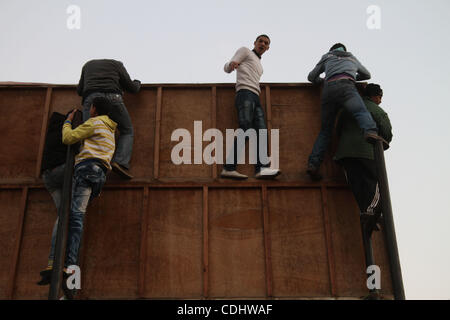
[262, 35]
[372, 90]
[338, 45]
[102, 105]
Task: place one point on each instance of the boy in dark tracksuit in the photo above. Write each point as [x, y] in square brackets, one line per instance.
[356, 155]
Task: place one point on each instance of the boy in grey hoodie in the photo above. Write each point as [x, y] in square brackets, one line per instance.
[341, 69]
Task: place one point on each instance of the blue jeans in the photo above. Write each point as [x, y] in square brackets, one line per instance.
[119, 114]
[88, 180]
[250, 115]
[53, 181]
[337, 94]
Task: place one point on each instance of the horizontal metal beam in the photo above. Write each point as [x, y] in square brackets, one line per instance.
[140, 184]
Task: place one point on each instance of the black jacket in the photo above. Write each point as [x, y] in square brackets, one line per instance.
[106, 76]
[54, 151]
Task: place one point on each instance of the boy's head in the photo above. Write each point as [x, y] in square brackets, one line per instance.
[374, 92]
[339, 46]
[100, 106]
[262, 44]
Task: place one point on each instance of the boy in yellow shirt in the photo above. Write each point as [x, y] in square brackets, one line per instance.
[91, 165]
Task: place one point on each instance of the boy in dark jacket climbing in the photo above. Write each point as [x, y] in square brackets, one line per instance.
[356, 155]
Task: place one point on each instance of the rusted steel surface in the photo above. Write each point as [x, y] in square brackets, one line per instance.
[179, 231]
[330, 251]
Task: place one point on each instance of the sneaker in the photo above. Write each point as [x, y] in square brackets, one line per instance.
[267, 173]
[313, 172]
[69, 294]
[232, 175]
[121, 171]
[46, 277]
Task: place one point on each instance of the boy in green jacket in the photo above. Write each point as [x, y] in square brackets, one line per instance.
[356, 155]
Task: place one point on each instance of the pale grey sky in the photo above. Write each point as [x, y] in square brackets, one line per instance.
[189, 42]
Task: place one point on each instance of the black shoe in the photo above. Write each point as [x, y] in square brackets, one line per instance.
[121, 171]
[375, 295]
[370, 221]
[46, 277]
[314, 173]
[68, 293]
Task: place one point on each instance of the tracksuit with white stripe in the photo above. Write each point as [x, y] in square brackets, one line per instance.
[356, 155]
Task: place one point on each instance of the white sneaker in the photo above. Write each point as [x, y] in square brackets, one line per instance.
[232, 175]
[267, 173]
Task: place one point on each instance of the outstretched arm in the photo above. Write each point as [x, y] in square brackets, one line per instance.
[82, 132]
[362, 73]
[238, 57]
[127, 84]
[314, 75]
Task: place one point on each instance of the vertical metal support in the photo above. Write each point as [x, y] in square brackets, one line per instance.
[328, 240]
[143, 249]
[389, 229]
[63, 214]
[43, 131]
[268, 117]
[267, 242]
[205, 243]
[157, 133]
[19, 235]
[213, 123]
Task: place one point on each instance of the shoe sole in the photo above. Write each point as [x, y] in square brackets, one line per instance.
[121, 173]
[268, 177]
[233, 177]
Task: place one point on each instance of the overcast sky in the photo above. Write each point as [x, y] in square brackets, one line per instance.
[189, 42]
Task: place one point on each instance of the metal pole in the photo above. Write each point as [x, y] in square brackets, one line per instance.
[368, 250]
[389, 229]
[368, 253]
[63, 214]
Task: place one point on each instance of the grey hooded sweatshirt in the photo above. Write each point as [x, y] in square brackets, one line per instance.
[336, 62]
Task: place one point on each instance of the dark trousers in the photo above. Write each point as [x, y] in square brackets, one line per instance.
[361, 175]
[335, 95]
[250, 116]
[88, 180]
[119, 114]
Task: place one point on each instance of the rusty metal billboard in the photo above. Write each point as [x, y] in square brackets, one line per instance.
[180, 231]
